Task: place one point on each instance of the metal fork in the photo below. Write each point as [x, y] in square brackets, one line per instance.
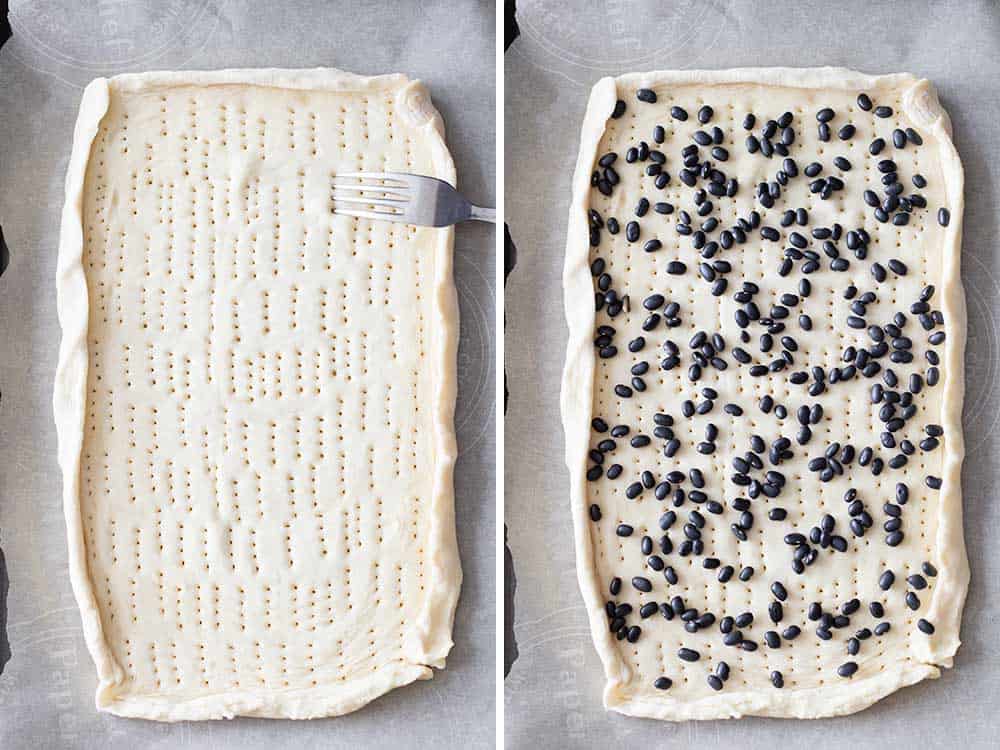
[406, 198]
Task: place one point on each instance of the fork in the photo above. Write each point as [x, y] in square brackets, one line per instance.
[406, 198]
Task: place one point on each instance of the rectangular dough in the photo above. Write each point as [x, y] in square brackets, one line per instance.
[932, 519]
[255, 397]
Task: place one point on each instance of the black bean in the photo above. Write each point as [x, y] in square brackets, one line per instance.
[688, 654]
[678, 113]
[654, 301]
[779, 590]
[646, 95]
[648, 610]
[642, 584]
[847, 669]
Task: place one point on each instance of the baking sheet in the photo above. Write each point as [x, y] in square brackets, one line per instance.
[553, 692]
[47, 689]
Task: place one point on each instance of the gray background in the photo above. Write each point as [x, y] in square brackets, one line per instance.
[47, 690]
[553, 693]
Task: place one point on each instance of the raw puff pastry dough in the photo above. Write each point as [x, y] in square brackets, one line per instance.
[255, 398]
[812, 689]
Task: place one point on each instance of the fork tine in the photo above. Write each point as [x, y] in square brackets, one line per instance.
[384, 210]
[368, 214]
[376, 176]
[372, 189]
[364, 201]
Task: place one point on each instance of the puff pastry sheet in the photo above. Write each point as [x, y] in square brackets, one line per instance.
[932, 520]
[255, 397]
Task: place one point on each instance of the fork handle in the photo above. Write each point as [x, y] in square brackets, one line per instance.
[483, 214]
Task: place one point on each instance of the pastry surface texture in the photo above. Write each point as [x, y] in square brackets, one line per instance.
[763, 389]
[255, 397]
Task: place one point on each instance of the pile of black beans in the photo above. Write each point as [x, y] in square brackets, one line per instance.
[769, 345]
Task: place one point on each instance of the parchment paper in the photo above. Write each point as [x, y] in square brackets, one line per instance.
[47, 690]
[553, 693]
